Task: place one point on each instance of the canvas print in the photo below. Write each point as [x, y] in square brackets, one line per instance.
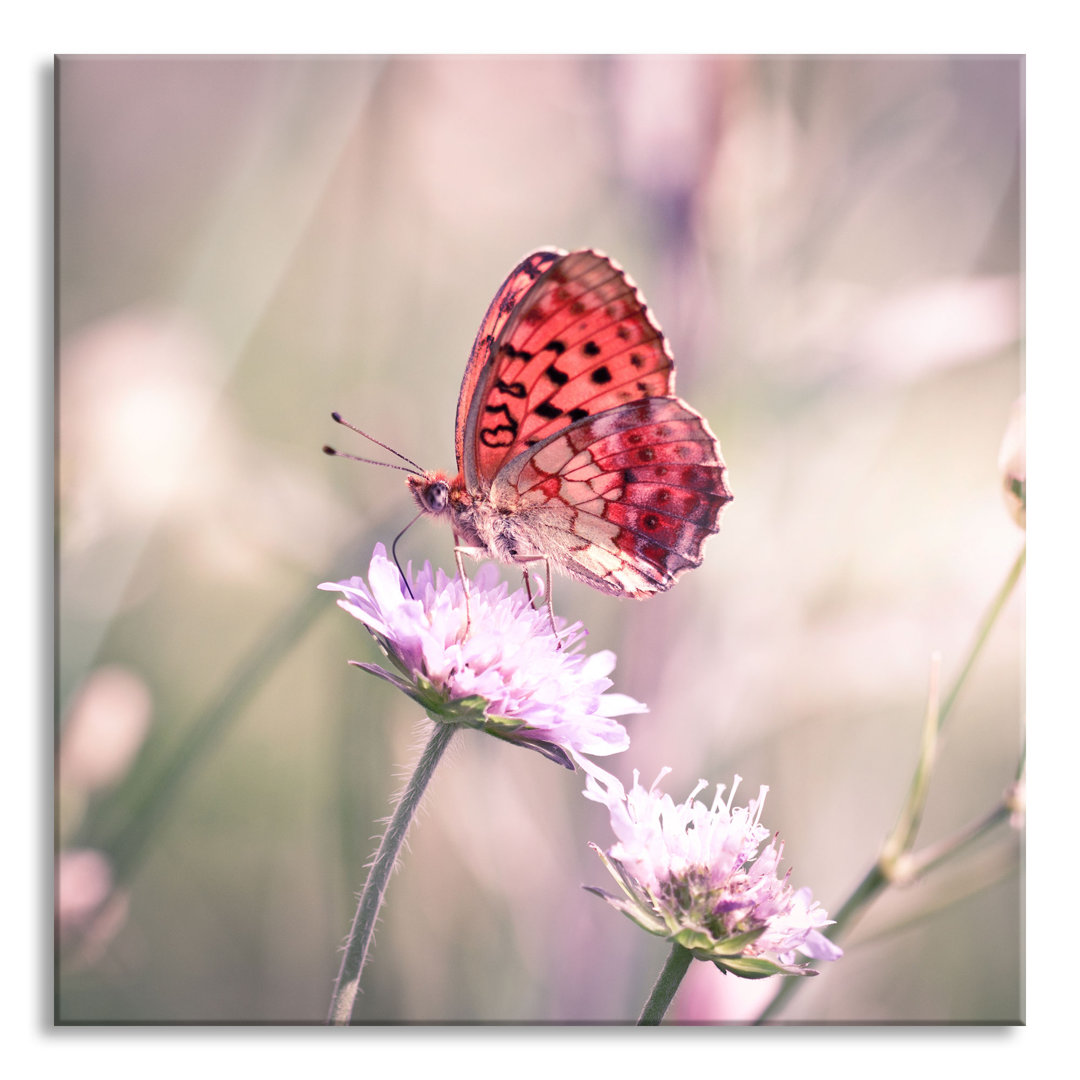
[540, 540]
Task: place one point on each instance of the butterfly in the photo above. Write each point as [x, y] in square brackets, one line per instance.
[572, 448]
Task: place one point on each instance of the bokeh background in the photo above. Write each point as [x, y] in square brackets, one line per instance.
[833, 246]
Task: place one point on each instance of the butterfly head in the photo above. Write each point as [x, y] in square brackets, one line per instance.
[432, 492]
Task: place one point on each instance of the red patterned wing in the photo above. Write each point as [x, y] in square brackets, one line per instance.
[625, 499]
[481, 359]
[567, 337]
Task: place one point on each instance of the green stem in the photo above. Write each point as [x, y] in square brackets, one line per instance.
[879, 876]
[367, 911]
[1021, 763]
[966, 881]
[872, 883]
[931, 857]
[984, 632]
[666, 985]
[907, 825]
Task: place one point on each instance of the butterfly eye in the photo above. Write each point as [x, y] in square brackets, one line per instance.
[436, 496]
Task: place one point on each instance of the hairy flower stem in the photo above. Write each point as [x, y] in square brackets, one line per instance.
[367, 911]
[666, 985]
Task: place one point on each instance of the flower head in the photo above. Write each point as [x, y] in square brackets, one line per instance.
[509, 675]
[696, 874]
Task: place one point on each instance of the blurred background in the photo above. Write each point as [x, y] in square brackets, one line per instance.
[833, 246]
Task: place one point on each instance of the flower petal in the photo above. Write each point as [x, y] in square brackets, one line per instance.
[539, 690]
[700, 869]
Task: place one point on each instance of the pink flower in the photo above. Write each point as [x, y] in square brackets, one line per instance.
[509, 675]
[696, 874]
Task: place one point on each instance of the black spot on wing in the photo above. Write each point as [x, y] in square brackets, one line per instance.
[514, 389]
[515, 354]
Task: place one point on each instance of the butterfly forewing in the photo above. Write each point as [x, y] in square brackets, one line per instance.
[521, 279]
[580, 341]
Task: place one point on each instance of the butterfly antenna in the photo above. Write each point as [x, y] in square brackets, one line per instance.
[393, 552]
[368, 461]
[338, 418]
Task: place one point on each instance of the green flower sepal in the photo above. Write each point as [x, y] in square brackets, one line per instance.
[728, 954]
[725, 953]
[637, 906]
[436, 702]
[503, 727]
[758, 967]
[468, 712]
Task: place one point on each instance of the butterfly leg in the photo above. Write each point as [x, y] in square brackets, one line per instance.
[547, 590]
[460, 550]
[465, 587]
[550, 604]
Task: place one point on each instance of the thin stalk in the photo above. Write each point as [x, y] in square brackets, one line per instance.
[911, 867]
[367, 911]
[992, 612]
[931, 857]
[879, 875]
[968, 879]
[907, 824]
[666, 984]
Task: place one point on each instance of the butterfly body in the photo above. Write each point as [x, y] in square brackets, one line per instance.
[572, 447]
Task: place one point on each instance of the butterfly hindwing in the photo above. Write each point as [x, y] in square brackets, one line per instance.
[580, 341]
[625, 499]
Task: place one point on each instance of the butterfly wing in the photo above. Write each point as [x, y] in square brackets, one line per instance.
[568, 336]
[569, 433]
[624, 500]
[482, 359]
